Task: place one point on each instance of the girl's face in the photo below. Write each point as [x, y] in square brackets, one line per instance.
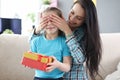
[50, 28]
[76, 16]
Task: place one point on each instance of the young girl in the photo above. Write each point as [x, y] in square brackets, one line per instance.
[52, 43]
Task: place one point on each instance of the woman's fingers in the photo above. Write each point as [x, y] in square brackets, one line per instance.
[60, 23]
[43, 21]
[56, 18]
[42, 24]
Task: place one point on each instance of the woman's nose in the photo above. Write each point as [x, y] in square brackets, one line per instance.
[72, 18]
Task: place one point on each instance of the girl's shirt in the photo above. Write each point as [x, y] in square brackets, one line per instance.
[56, 47]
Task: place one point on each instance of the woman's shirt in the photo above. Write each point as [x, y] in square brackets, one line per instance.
[56, 47]
[78, 71]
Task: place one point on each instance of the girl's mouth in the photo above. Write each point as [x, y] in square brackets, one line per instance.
[50, 27]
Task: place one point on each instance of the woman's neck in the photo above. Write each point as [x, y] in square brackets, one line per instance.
[73, 29]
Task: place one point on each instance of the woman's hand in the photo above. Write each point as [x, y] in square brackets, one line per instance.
[61, 24]
[42, 24]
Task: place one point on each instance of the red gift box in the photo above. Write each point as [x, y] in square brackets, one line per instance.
[36, 61]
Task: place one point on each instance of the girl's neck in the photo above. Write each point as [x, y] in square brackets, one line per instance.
[51, 36]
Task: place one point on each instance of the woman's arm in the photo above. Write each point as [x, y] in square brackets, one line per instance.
[75, 49]
[72, 41]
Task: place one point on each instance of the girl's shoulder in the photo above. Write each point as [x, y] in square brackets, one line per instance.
[62, 37]
[37, 38]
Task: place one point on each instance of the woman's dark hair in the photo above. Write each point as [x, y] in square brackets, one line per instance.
[58, 12]
[92, 37]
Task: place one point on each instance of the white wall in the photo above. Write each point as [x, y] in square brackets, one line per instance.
[19, 9]
[9, 8]
[65, 6]
[109, 15]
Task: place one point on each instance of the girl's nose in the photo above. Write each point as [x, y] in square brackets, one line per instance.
[49, 22]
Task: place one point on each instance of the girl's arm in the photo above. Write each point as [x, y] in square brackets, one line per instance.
[65, 66]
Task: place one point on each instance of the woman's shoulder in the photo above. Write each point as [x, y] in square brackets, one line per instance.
[80, 31]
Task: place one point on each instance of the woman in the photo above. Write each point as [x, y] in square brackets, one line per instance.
[83, 39]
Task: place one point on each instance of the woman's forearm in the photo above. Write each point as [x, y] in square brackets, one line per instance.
[75, 49]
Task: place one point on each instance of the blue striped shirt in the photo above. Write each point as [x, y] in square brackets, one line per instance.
[78, 71]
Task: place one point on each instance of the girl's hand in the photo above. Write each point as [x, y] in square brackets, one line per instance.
[61, 24]
[53, 65]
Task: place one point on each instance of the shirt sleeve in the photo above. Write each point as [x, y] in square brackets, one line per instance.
[66, 51]
[33, 46]
[75, 49]
[33, 35]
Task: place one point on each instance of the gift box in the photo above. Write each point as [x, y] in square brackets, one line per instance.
[36, 61]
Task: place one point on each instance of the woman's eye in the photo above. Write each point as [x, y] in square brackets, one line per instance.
[79, 18]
